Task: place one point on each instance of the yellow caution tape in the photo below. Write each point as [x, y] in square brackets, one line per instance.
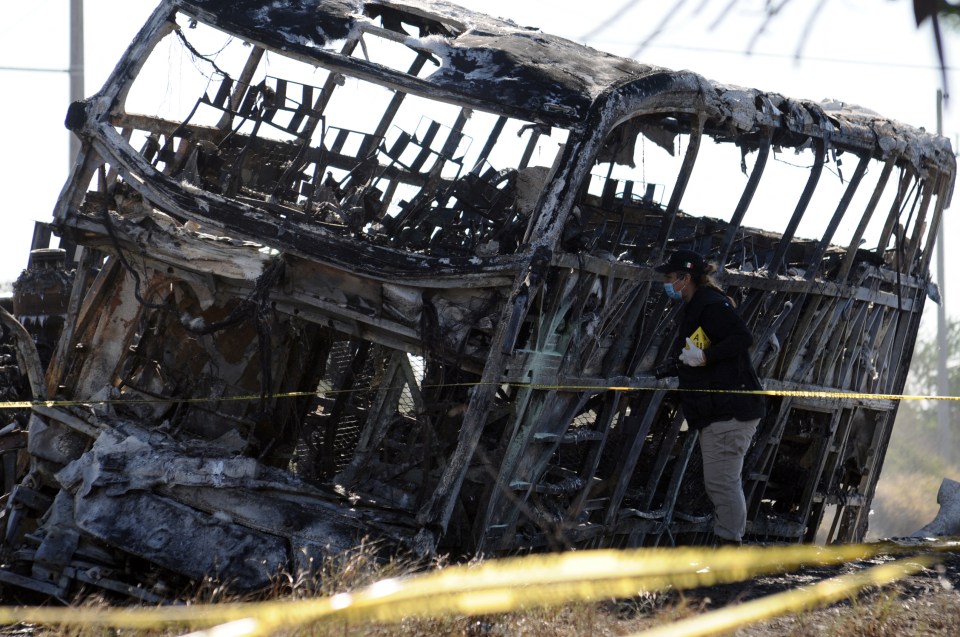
[27, 404]
[506, 585]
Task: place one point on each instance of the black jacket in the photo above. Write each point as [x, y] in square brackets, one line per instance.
[728, 362]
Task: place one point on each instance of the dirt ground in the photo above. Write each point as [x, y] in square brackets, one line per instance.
[927, 603]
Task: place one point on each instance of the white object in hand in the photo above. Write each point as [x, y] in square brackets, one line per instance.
[692, 355]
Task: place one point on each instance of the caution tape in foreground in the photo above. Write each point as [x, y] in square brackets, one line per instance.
[506, 585]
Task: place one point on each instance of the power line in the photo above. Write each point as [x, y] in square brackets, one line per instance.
[787, 56]
[27, 69]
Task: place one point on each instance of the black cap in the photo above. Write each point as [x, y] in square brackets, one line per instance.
[684, 260]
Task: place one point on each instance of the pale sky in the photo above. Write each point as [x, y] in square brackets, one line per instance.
[866, 52]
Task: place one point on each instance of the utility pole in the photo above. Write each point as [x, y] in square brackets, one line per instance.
[76, 70]
[945, 435]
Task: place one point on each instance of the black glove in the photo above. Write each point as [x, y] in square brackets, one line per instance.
[666, 369]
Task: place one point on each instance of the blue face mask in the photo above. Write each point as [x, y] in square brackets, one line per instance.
[672, 293]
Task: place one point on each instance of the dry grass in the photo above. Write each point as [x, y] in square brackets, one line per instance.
[926, 606]
[884, 614]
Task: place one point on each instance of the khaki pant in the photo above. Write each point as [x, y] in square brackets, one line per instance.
[723, 445]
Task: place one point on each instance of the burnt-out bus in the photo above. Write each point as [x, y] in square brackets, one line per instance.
[384, 269]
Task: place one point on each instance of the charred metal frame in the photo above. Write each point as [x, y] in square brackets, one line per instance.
[282, 356]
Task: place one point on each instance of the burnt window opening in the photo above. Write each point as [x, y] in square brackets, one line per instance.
[854, 208]
[305, 152]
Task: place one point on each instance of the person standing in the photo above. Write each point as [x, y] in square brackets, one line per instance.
[711, 352]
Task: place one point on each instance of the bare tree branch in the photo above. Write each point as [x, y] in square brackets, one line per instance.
[659, 28]
[771, 13]
[723, 14]
[923, 10]
[808, 28]
[614, 17]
